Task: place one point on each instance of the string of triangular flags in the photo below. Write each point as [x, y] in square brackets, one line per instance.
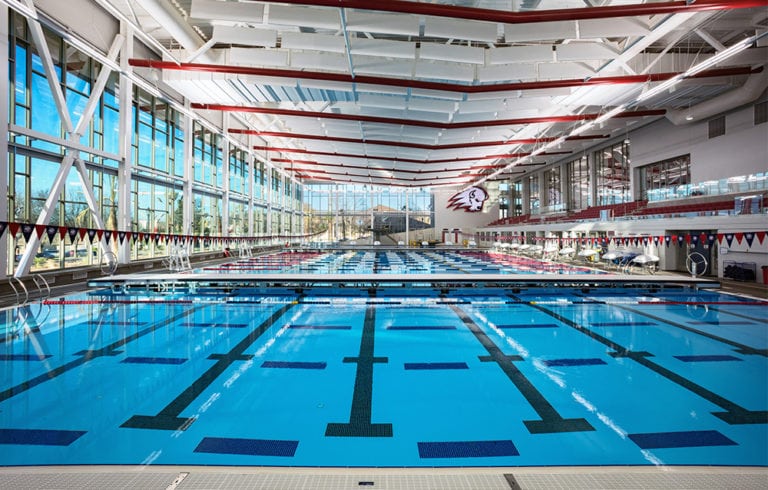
[748, 237]
[94, 235]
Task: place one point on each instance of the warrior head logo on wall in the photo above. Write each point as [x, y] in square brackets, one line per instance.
[470, 200]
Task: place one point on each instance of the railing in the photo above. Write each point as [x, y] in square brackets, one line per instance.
[178, 259]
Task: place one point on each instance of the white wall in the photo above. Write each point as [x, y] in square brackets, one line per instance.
[453, 218]
[742, 150]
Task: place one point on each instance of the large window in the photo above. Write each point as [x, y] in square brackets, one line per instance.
[534, 200]
[578, 178]
[668, 179]
[612, 174]
[554, 194]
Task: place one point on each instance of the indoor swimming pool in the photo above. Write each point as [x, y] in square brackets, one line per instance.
[467, 377]
[398, 262]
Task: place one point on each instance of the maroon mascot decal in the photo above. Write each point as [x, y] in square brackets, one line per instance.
[470, 200]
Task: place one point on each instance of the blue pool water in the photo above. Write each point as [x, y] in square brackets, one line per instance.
[531, 377]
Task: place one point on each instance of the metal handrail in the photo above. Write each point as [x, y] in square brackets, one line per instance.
[38, 278]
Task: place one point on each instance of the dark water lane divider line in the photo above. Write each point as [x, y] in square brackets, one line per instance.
[91, 354]
[740, 348]
[168, 418]
[734, 414]
[551, 421]
[360, 424]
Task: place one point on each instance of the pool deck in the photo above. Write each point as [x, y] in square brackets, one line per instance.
[514, 478]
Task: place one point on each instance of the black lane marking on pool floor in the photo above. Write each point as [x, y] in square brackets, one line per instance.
[740, 348]
[248, 447]
[168, 418]
[360, 424]
[761, 321]
[734, 414]
[695, 438]
[467, 449]
[91, 354]
[551, 421]
[415, 366]
[293, 365]
[39, 437]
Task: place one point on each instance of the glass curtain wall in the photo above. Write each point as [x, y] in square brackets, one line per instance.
[158, 139]
[353, 212]
[668, 179]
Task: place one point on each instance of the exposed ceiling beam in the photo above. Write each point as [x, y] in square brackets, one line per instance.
[424, 124]
[423, 84]
[297, 136]
[527, 17]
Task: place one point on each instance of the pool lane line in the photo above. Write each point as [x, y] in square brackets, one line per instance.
[360, 424]
[89, 355]
[740, 348]
[551, 421]
[739, 315]
[168, 418]
[734, 414]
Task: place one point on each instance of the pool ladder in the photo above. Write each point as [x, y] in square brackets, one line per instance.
[18, 287]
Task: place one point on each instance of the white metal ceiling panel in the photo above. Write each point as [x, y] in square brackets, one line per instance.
[520, 54]
[599, 28]
[246, 36]
[370, 65]
[445, 52]
[445, 71]
[379, 47]
[540, 31]
[461, 29]
[319, 61]
[404, 25]
[383, 101]
[502, 73]
[256, 57]
[478, 106]
[310, 41]
[585, 51]
[319, 18]
[549, 71]
[227, 11]
[433, 105]
[381, 89]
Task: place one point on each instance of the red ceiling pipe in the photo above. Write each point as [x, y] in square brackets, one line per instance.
[314, 164]
[545, 15]
[423, 124]
[410, 179]
[426, 85]
[299, 136]
[425, 161]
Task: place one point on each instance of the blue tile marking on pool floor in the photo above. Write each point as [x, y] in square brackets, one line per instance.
[293, 365]
[574, 362]
[39, 437]
[528, 325]
[467, 449]
[718, 322]
[214, 325]
[24, 357]
[695, 438]
[421, 327]
[251, 447]
[707, 358]
[322, 327]
[154, 360]
[622, 324]
[435, 365]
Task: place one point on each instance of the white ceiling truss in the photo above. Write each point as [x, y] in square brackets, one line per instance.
[450, 92]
